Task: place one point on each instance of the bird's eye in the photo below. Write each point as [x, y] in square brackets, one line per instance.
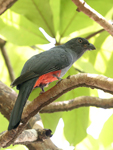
[80, 40]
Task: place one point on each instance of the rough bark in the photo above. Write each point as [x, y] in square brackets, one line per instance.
[78, 102]
[5, 4]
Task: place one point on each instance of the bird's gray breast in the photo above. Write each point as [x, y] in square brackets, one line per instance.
[63, 71]
[73, 57]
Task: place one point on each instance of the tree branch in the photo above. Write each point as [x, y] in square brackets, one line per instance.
[80, 71]
[79, 80]
[7, 99]
[32, 135]
[94, 15]
[6, 58]
[76, 103]
[95, 33]
[5, 4]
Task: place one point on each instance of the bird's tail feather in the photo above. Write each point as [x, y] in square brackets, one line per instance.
[24, 92]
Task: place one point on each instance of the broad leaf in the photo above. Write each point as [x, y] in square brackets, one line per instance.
[19, 30]
[106, 135]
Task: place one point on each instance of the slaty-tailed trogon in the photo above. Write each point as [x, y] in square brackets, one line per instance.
[44, 68]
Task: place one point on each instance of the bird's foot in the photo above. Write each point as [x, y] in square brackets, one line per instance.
[42, 88]
[59, 79]
[41, 92]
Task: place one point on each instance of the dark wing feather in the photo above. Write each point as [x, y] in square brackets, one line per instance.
[54, 59]
[24, 77]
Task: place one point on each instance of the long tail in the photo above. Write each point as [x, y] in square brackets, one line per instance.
[24, 92]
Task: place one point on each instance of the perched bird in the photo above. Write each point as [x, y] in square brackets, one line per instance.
[44, 68]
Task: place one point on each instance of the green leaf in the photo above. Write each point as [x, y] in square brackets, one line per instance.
[4, 76]
[71, 20]
[19, 30]
[37, 11]
[102, 57]
[56, 18]
[50, 120]
[106, 135]
[3, 124]
[85, 65]
[77, 120]
[75, 125]
[56, 15]
[106, 9]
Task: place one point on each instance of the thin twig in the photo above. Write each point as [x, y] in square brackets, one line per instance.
[8, 64]
[95, 33]
[79, 70]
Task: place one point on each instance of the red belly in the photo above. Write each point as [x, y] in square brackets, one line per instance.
[47, 78]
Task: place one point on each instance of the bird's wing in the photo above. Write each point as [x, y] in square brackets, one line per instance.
[54, 59]
[24, 77]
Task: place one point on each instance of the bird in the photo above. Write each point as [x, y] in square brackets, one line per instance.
[44, 68]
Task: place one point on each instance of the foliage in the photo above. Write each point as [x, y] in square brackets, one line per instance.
[19, 26]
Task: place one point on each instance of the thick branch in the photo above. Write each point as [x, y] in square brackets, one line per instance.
[7, 99]
[79, 80]
[85, 8]
[5, 4]
[78, 102]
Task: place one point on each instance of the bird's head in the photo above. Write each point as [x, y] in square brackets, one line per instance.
[79, 45]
